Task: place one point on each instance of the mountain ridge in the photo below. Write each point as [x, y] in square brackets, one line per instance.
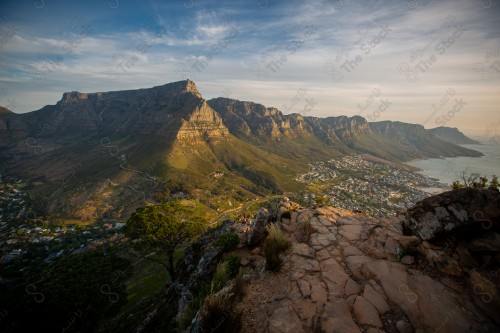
[169, 138]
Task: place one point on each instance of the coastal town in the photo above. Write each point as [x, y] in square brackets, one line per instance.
[353, 182]
[365, 185]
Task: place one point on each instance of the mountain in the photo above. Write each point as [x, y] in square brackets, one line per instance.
[451, 134]
[104, 154]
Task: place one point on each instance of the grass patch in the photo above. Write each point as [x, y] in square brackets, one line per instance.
[275, 244]
[218, 315]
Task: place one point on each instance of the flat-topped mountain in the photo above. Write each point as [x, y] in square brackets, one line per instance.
[168, 138]
[451, 134]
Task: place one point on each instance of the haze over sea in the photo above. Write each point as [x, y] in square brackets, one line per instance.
[449, 169]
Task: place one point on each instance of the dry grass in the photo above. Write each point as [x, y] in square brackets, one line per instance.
[275, 244]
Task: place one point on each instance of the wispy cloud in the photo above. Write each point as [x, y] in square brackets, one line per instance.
[262, 51]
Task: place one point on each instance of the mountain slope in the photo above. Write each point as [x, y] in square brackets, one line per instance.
[451, 134]
[92, 153]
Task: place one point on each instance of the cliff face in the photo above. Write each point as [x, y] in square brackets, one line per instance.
[202, 123]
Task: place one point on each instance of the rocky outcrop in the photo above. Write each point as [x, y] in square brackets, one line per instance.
[258, 226]
[465, 212]
[361, 274]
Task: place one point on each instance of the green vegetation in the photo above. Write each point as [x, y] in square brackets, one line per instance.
[218, 315]
[76, 293]
[475, 180]
[165, 227]
[306, 229]
[227, 241]
[275, 244]
[233, 263]
[220, 278]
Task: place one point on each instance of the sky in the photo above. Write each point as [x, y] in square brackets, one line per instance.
[434, 63]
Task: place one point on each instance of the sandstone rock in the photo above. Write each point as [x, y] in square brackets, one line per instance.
[322, 255]
[303, 250]
[306, 309]
[365, 313]
[284, 320]
[354, 263]
[467, 209]
[375, 299]
[374, 330]
[304, 216]
[318, 291]
[403, 327]
[305, 288]
[351, 231]
[258, 230]
[408, 260]
[352, 251]
[308, 265]
[337, 319]
[352, 287]
[423, 292]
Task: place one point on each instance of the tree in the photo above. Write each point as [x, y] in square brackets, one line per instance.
[164, 227]
[494, 184]
[457, 185]
[475, 180]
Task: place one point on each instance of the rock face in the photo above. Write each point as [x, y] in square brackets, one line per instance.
[258, 226]
[348, 277]
[466, 211]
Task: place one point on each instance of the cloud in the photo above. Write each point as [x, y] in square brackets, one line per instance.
[218, 45]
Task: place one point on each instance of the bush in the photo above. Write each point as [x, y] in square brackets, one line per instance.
[286, 215]
[306, 229]
[217, 316]
[227, 241]
[233, 263]
[220, 278]
[275, 244]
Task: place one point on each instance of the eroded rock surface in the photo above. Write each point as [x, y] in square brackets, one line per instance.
[360, 274]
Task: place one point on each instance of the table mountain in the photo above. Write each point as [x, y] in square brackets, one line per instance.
[111, 151]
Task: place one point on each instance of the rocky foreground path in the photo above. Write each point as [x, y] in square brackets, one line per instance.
[354, 274]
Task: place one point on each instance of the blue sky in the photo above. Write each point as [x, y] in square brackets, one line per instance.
[428, 62]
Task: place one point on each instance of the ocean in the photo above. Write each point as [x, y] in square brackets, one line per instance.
[447, 170]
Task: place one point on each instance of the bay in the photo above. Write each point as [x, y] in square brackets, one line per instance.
[449, 169]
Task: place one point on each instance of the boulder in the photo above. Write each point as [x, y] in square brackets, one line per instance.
[258, 226]
[466, 212]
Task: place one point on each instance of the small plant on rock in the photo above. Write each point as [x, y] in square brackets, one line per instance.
[227, 241]
[286, 215]
[217, 315]
[220, 278]
[233, 263]
[275, 244]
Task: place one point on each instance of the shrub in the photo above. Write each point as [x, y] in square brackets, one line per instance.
[186, 317]
[286, 215]
[220, 278]
[408, 251]
[227, 241]
[233, 263]
[275, 244]
[306, 229]
[217, 316]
